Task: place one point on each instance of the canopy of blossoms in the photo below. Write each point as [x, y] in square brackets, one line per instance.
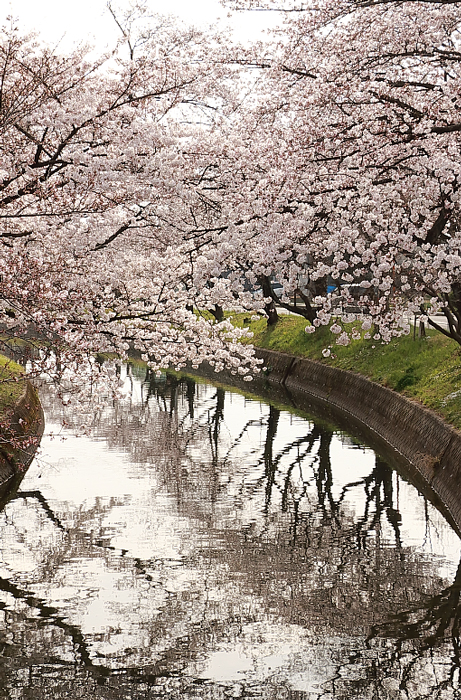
[143, 193]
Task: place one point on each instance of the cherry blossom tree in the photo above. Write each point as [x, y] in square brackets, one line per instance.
[179, 173]
[356, 142]
[99, 205]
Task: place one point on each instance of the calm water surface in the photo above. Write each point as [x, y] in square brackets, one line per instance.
[206, 545]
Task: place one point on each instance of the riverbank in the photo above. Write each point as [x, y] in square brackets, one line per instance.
[21, 425]
[425, 369]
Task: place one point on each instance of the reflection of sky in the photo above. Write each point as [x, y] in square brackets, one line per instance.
[141, 561]
[260, 655]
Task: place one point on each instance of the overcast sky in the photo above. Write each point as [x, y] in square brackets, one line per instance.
[89, 21]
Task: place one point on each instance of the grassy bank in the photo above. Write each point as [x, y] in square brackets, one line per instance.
[11, 387]
[426, 369]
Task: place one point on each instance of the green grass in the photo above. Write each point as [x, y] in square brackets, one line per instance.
[426, 369]
[11, 386]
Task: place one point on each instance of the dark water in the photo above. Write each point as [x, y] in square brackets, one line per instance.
[201, 544]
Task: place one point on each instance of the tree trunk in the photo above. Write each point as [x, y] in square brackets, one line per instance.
[218, 312]
[270, 308]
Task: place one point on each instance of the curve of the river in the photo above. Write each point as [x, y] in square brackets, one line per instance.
[205, 544]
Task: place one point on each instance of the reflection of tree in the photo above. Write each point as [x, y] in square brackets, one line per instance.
[270, 465]
[215, 420]
[300, 556]
[178, 413]
[418, 652]
[324, 476]
[377, 485]
[437, 618]
[379, 492]
[50, 613]
[43, 503]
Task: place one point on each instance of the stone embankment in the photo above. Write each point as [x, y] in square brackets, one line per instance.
[21, 430]
[398, 426]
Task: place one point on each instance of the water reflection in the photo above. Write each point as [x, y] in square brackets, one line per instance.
[206, 545]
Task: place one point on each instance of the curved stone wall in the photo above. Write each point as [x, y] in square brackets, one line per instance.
[428, 444]
[24, 426]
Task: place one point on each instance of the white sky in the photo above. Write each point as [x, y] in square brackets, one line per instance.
[77, 21]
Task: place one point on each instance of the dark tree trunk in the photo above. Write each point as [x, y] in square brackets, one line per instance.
[218, 312]
[270, 308]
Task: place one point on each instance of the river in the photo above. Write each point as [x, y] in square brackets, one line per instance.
[205, 544]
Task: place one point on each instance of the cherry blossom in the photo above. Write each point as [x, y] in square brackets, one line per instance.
[355, 135]
[99, 206]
